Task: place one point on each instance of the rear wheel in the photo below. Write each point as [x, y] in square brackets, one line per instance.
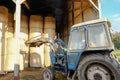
[97, 72]
[98, 67]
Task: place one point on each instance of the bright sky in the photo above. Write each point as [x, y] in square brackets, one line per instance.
[111, 10]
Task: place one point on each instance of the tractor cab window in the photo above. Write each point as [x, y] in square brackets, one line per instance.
[97, 36]
[77, 39]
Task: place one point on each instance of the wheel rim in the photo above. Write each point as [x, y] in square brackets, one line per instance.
[47, 75]
[97, 72]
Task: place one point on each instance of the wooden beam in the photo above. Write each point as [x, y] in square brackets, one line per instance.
[26, 4]
[21, 1]
[14, 1]
[97, 7]
[94, 5]
[18, 1]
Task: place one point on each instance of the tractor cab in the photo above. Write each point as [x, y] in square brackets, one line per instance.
[92, 35]
[88, 36]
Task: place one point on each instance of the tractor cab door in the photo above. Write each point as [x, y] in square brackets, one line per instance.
[76, 45]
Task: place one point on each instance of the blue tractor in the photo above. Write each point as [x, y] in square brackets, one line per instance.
[87, 55]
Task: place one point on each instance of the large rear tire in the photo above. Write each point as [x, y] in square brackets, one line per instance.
[98, 67]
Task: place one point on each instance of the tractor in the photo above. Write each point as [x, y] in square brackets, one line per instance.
[87, 56]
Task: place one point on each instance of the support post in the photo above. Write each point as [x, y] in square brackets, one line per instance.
[99, 5]
[82, 10]
[16, 72]
[73, 12]
[17, 33]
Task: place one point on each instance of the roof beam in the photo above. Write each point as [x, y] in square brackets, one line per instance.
[26, 4]
[94, 5]
[97, 7]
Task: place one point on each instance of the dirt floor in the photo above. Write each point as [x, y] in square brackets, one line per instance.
[30, 74]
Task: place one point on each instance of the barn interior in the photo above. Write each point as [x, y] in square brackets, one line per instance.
[39, 16]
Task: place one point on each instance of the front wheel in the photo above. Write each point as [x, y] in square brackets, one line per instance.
[48, 74]
[98, 67]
